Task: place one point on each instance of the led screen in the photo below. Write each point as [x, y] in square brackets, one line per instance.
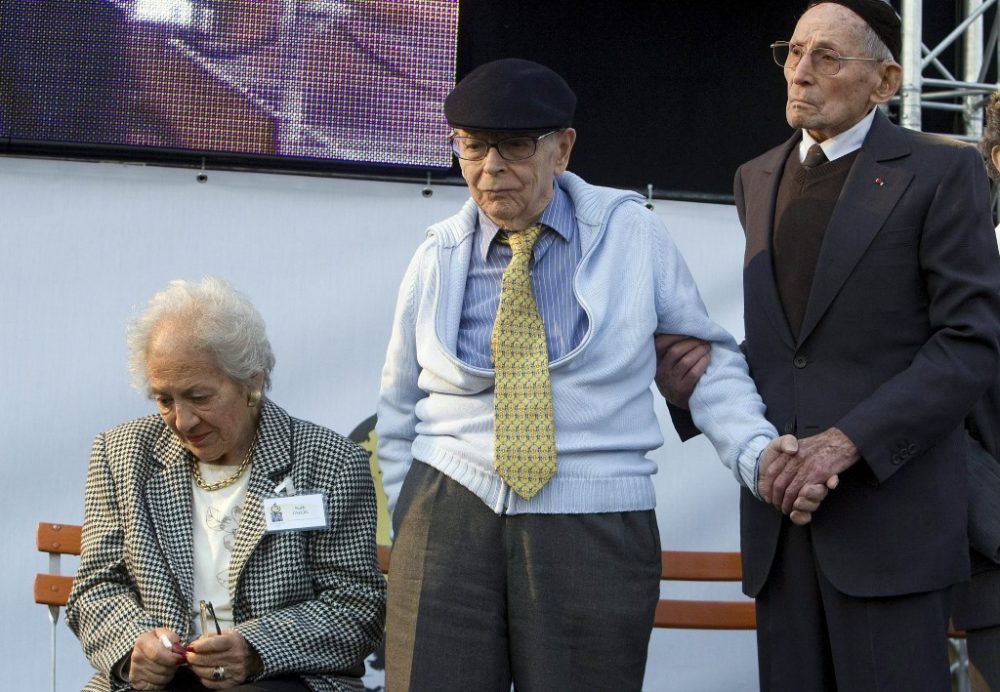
[354, 80]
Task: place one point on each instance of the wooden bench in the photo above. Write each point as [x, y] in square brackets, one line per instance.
[676, 565]
[52, 589]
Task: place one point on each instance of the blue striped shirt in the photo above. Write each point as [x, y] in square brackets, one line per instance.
[556, 254]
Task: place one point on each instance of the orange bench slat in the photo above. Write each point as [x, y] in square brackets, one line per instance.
[58, 538]
[700, 566]
[52, 589]
[706, 615]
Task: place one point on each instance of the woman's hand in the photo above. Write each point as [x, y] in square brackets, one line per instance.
[152, 666]
[223, 660]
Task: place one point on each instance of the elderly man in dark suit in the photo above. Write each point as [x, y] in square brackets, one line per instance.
[871, 314]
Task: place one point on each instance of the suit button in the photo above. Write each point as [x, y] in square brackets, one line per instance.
[912, 449]
[896, 459]
[789, 428]
[800, 362]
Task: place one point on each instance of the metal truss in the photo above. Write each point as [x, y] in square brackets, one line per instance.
[929, 84]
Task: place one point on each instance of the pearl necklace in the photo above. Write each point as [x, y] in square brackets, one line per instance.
[225, 482]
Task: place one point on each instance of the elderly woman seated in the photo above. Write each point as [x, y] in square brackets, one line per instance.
[226, 545]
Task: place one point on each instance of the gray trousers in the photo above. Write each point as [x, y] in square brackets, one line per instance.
[547, 602]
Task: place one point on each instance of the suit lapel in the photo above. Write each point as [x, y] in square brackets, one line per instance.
[759, 224]
[272, 460]
[870, 193]
[168, 496]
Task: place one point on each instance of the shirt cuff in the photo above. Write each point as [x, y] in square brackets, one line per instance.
[749, 462]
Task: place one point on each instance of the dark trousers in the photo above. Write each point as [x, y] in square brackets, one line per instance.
[549, 602]
[812, 637]
[984, 659]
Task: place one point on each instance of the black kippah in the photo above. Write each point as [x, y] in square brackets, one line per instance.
[511, 95]
[880, 16]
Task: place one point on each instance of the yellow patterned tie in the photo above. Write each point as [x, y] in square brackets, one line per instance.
[524, 451]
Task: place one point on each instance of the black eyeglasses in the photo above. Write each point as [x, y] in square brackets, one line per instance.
[824, 60]
[510, 148]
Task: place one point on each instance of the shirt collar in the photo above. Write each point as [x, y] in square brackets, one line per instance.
[846, 142]
[557, 215]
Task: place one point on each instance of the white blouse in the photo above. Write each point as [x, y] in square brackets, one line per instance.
[216, 517]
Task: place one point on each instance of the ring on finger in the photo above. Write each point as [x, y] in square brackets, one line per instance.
[218, 673]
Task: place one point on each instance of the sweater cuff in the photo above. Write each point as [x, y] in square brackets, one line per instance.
[749, 463]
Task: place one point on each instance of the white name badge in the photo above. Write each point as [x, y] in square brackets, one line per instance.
[305, 512]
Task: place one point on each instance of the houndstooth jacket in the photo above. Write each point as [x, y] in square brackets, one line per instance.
[311, 603]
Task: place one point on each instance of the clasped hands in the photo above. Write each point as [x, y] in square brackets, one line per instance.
[152, 665]
[795, 476]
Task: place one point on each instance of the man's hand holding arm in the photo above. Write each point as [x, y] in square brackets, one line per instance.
[678, 368]
[680, 361]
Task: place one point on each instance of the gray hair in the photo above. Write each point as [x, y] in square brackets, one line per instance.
[222, 322]
[869, 41]
[874, 47]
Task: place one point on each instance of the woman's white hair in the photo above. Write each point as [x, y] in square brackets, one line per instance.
[218, 319]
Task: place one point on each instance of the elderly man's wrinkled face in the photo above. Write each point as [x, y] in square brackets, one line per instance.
[200, 403]
[514, 193]
[827, 105]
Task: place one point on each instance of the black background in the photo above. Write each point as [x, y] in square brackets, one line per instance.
[673, 94]
[670, 94]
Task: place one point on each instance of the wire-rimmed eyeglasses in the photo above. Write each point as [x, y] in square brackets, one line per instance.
[206, 609]
[515, 148]
[824, 60]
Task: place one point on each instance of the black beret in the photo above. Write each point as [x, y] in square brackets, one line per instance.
[511, 95]
[880, 16]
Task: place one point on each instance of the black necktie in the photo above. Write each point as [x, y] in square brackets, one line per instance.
[814, 157]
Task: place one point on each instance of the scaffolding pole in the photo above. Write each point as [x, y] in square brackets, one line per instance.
[929, 84]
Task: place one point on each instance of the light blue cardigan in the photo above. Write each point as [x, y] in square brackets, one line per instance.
[632, 283]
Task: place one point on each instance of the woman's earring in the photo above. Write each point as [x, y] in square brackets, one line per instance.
[254, 398]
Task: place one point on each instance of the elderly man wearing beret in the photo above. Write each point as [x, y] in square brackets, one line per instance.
[516, 405]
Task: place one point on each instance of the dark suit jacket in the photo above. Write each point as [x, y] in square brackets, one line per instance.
[900, 325]
[309, 602]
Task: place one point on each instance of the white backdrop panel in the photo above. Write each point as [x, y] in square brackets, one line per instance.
[84, 245]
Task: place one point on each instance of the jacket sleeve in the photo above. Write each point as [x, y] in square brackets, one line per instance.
[911, 411]
[343, 620]
[683, 423]
[104, 610]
